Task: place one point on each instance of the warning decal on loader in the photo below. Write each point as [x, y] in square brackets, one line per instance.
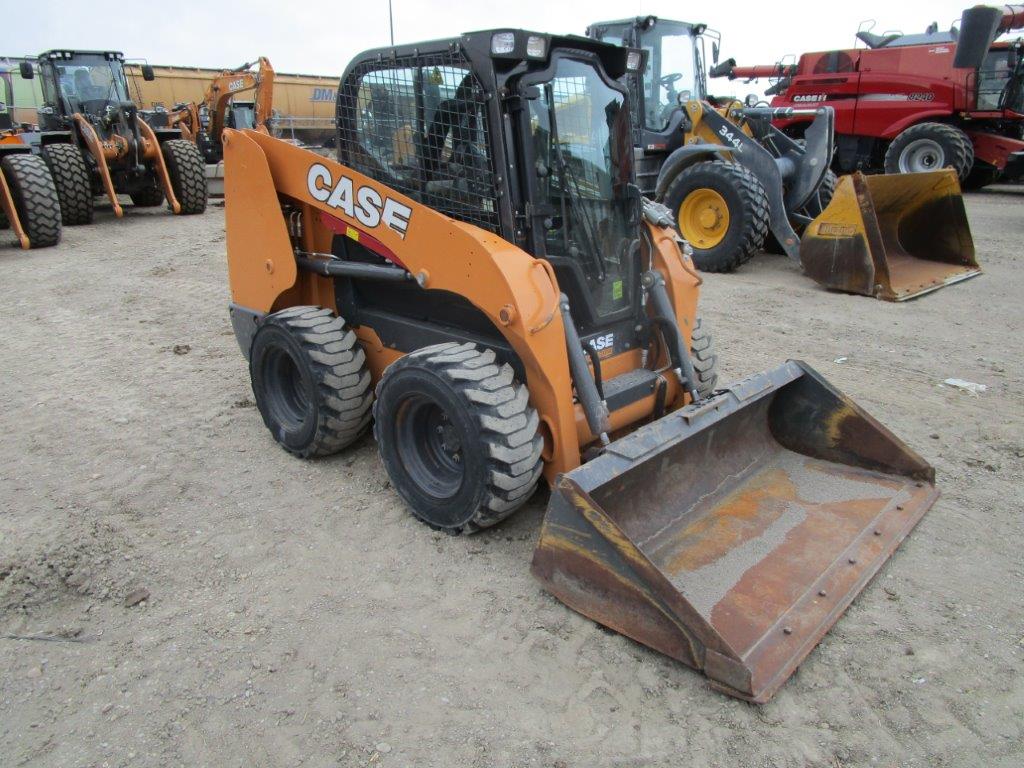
[364, 204]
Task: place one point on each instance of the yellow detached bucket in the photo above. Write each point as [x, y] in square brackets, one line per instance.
[893, 237]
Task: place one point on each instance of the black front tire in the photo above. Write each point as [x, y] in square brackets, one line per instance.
[35, 198]
[310, 381]
[747, 206]
[457, 436]
[930, 147]
[704, 359]
[73, 180]
[187, 170]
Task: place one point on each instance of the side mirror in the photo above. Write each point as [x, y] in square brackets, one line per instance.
[714, 53]
[26, 70]
[147, 73]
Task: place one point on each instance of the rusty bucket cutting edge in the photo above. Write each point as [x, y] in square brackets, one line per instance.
[894, 237]
[731, 535]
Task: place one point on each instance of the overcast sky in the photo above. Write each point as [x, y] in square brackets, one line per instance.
[318, 37]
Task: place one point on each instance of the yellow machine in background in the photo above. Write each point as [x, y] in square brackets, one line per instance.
[303, 105]
[736, 183]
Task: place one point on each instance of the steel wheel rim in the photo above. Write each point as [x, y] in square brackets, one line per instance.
[429, 446]
[703, 218]
[921, 156]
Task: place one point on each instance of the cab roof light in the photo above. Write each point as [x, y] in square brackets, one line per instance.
[503, 43]
[536, 46]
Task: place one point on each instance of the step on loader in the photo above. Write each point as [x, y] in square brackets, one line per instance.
[96, 142]
[478, 275]
[28, 198]
[734, 181]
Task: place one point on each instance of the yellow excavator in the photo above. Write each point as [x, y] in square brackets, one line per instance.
[221, 108]
[479, 276]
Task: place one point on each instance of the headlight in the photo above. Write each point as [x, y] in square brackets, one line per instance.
[503, 43]
[633, 61]
[536, 46]
[752, 100]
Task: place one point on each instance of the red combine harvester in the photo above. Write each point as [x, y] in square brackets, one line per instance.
[910, 103]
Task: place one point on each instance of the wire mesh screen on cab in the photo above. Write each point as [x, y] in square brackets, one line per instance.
[419, 125]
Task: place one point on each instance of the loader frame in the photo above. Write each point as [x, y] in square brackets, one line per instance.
[123, 147]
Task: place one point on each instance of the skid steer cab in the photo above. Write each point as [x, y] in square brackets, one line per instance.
[96, 142]
[737, 184]
[478, 276]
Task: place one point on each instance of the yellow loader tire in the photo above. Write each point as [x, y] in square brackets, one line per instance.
[721, 210]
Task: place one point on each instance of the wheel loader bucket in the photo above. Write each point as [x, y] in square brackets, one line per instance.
[732, 534]
[894, 237]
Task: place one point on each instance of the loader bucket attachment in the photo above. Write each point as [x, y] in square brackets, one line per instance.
[893, 237]
[732, 534]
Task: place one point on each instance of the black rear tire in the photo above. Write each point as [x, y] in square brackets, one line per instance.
[747, 206]
[930, 147]
[187, 170]
[148, 197]
[310, 381]
[73, 180]
[35, 198]
[457, 436]
[982, 174]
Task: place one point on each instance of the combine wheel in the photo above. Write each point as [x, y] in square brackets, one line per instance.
[35, 198]
[188, 174]
[73, 181]
[458, 436]
[310, 381]
[722, 211]
[930, 147]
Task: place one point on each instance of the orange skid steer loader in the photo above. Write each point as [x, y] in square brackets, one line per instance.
[479, 277]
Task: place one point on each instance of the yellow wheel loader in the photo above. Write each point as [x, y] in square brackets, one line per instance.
[96, 142]
[28, 198]
[479, 276]
[734, 181]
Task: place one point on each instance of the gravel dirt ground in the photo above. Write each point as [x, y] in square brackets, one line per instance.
[298, 615]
